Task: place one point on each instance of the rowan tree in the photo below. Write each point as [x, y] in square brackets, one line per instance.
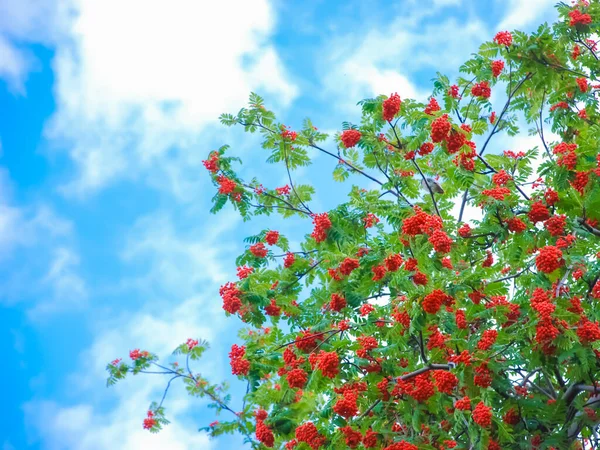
[399, 323]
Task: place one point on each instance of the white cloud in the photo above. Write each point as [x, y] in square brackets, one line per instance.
[65, 288]
[522, 13]
[138, 79]
[37, 256]
[447, 2]
[13, 65]
[22, 22]
[180, 262]
[386, 60]
[31, 20]
[82, 427]
[113, 418]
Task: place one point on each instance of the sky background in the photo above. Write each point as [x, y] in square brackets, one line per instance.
[107, 109]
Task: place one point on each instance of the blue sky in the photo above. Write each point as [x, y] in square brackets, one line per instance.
[107, 110]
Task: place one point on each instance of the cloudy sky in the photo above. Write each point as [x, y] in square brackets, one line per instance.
[107, 109]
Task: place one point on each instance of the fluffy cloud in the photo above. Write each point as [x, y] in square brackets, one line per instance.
[22, 22]
[112, 418]
[137, 82]
[163, 264]
[389, 59]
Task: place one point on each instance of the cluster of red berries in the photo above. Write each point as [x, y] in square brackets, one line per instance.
[226, 185]
[370, 219]
[420, 387]
[353, 437]
[432, 106]
[481, 90]
[464, 231]
[297, 378]
[287, 134]
[244, 272]
[309, 434]
[463, 404]
[402, 445]
[497, 193]
[264, 434]
[579, 18]
[289, 260]
[482, 415]
[425, 149]
[440, 128]
[549, 259]
[538, 212]
[421, 223]
[582, 83]
[367, 343]
[306, 341]
[497, 67]
[461, 320]
[212, 164]
[513, 155]
[348, 265]
[272, 237]
[322, 223]
[559, 105]
[511, 417]
[580, 181]
[149, 421]
[441, 242]
[568, 157]
[433, 301]
[378, 272]
[588, 331]
[346, 406]
[556, 225]
[445, 381]
[337, 303]
[503, 38]
[283, 190]
[393, 262]
[501, 177]
[516, 225]
[231, 297]
[239, 364]
[137, 354]
[391, 107]
[350, 138]
[259, 250]
[488, 338]
[272, 309]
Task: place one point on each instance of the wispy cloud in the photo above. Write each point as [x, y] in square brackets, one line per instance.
[37, 257]
[63, 287]
[388, 58]
[108, 417]
[129, 98]
[23, 22]
[178, 260]
[523, 13]
[14, 66]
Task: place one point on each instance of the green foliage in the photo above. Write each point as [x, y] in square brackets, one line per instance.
[394, 266]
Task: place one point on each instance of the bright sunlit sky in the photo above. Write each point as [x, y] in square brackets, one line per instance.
[107, 109]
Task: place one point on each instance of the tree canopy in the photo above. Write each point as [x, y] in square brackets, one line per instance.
[400, 323]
